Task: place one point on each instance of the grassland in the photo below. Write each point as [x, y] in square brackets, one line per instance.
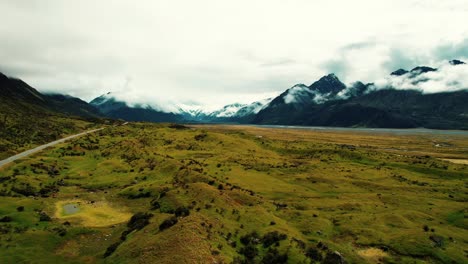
[148, 193]
[27, 130]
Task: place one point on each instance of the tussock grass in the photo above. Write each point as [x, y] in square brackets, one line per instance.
[372, 197]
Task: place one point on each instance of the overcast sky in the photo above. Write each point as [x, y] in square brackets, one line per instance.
[217, 52]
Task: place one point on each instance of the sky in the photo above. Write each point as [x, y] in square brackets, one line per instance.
[215, 52]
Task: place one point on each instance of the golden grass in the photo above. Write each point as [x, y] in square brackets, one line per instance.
[98, 214]
[373, 255]
[457, 161]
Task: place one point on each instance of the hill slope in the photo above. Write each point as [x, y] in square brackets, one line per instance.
[151, 193]
[29, 118]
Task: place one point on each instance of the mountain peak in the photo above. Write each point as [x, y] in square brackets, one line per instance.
[399, 72]
[456, 62]
[422, 69]
[328, 84]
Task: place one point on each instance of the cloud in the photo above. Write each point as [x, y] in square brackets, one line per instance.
[447, 78]
[211, 52]
[455, 50]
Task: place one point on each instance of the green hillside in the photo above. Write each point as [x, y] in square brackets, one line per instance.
[147, 193]
[29, 118]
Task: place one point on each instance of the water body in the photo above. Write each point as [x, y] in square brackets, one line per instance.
[72, 208]
[398, 131]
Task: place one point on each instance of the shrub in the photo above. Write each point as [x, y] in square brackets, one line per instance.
[20, 208]
[6, 219]
[314, 254]
[43, 217]
[274, 257]
[251, 238]
[272, 238]
[111, 249]
[249, 251]
[138, 221]
[182, 211]
[168, 223]
[155, 204]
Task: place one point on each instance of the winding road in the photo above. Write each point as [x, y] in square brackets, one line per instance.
[39, 148]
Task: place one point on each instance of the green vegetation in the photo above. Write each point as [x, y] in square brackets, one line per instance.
[154, 193]
[29, 118]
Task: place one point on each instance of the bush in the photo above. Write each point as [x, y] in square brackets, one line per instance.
[168, 223]
[251, 238]
[182, 211]
[274, 257]
[272, 238]
[20, 208]
[314, 254]
[138, 221]
[111, 249]
[6, 219]
[249, 251]
[155, 204]
[43, 217]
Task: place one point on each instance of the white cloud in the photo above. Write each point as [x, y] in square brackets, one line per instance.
[215, 52]
[447, 78]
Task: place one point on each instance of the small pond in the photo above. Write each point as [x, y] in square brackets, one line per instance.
[71, 208]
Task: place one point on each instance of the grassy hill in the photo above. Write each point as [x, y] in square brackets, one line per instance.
[29, 118]
[149, 193]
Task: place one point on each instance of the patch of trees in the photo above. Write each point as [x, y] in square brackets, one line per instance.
[140, 194]
[178, 126]
[48, 189]
[138, 221]
[171, 221]
[111, 249]
[26, 190]
[182, 211]
[270, 241]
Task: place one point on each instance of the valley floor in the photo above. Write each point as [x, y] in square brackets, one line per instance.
[152, 193]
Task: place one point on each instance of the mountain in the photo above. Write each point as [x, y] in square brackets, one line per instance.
[15, 93]
[300, 95]
[328, 102]
[298, 98]
[422, 69]
[456, 62]
[28, 117]
[113, 108]
[399, 72]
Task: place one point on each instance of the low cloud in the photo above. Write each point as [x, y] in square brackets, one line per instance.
[447, 78]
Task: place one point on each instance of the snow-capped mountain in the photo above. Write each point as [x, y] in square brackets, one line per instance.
[227, 112]
[422, 96]
[110, 106]
[300, 95]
